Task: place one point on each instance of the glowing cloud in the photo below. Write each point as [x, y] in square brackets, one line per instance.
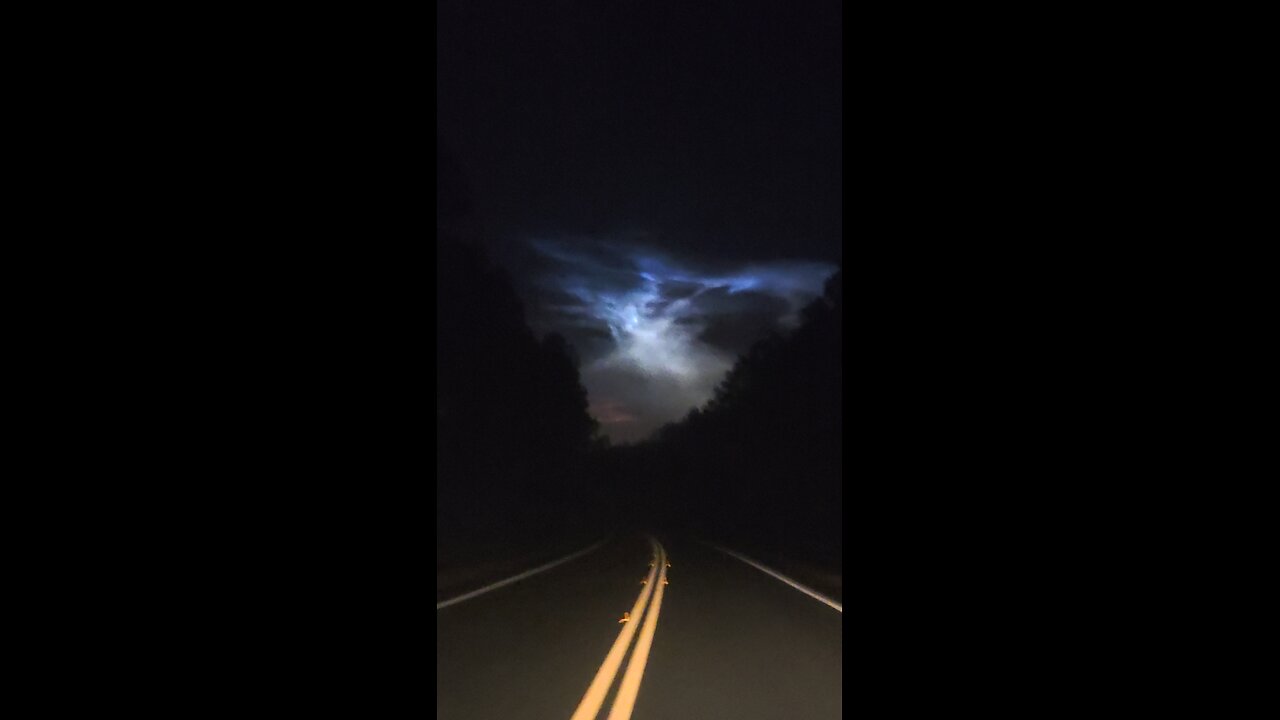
[674, 330]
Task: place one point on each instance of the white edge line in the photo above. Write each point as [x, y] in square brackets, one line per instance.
[521, 576]
[816, 596]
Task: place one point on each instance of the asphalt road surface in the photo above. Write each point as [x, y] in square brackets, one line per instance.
[718, 639]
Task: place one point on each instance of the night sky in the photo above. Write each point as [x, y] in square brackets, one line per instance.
[662, 180]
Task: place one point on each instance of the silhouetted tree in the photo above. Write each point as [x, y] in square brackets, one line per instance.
[511, 415]
[764, 454]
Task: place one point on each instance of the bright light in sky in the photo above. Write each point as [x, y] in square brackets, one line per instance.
[674, 330]
[651, 341]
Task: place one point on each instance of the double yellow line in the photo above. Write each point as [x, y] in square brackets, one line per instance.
[625, 701]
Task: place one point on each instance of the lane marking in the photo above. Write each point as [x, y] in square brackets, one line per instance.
[521, 576]
[593, 700]
[811, 593]
[625, 702]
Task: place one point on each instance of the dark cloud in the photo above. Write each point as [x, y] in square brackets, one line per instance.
[671, 291]
[591, 341]
[675, 290]
[733, 321]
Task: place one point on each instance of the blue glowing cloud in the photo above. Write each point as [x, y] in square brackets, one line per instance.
[656, 334]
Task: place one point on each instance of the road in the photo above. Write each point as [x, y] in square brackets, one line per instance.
[727, 641]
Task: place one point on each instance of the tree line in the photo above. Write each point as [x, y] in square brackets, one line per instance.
[517, 448]
[763, 458]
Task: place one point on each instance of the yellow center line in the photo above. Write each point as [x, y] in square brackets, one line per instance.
[594, 699]
[625, 702]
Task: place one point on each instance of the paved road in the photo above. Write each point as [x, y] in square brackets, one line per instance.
[728, 641]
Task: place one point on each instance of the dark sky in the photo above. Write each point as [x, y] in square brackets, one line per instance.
[663, 179]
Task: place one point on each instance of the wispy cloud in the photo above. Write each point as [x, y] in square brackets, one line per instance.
[657, 333]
